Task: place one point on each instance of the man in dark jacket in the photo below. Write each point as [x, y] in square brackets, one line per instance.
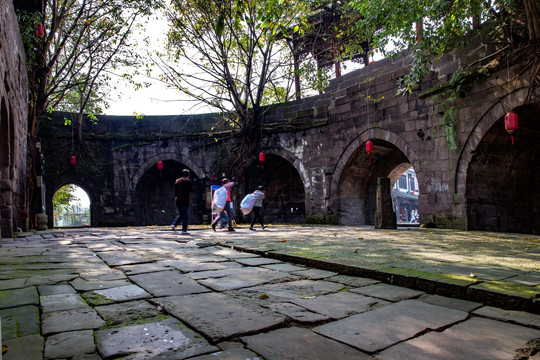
[183, 187]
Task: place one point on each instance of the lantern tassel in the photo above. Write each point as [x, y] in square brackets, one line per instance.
[512, 136]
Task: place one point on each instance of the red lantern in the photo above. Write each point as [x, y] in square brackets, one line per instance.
[369, 148]
[262, 159]
[40, 30]
[511, 124]
[73, 160]
[160, 167]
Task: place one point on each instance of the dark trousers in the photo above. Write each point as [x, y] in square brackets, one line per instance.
[257, 215]
[226, 210]
[183, 214]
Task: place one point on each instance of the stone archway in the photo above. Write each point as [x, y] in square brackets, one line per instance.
[154, 195]
[502, 184]
[354, 182]
[285, 194]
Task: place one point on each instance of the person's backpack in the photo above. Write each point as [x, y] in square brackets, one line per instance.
[219, 200]
[247, 204]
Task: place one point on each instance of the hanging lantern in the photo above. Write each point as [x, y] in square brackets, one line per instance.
[40, 30]
[72, 160]
[511, 124]
[369, 149]
[160, 167]
[262, 159]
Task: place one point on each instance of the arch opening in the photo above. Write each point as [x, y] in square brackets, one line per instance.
[285, 195]
[503, 180]
[358, 183]
[71, 207]
[154, 196]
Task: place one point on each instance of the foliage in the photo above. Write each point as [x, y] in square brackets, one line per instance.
[391, 26]
[232, 56]
[63, 197]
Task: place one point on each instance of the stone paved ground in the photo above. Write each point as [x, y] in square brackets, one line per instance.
[283, 293]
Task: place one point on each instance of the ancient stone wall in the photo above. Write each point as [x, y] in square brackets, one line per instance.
[13, 122]
[449, 129]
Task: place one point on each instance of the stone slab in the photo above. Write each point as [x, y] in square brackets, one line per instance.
[118, 258]
[70, 320]
[353, 281]
[479, 339]
[219, 273]
[28, 347]
[168, 283]
[104, 274]
[12, 283]
[388, 292]
[297, 313]
[144, 268]
[295, 289]
[340, 305]
[46, 290]
[166, 339]
[234, 254]
[115, 314]
[18, 297]
[314, 274]
[85, 285]
[458, 304]
[257, 261]
[528, 279]
[249, 277]
[231, 354]
[19, 322]
[69, 344]
[378, 329]
[124, 293]
[518, 317]
[284, 267]
[299, 343]
[219, 316]
[188, 265]
[61, 302]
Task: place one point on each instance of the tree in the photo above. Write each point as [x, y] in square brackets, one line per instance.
[428, 28]
[70, 59]
[232, 56]
[62, 198]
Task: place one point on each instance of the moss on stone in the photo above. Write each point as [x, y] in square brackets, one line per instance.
[95, 299]
[325, 219]
[524, 291]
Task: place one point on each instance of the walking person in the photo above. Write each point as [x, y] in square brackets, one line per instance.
[183, 187]
[227, 209]
[257, 208]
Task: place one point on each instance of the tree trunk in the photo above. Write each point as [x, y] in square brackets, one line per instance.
[533, 20]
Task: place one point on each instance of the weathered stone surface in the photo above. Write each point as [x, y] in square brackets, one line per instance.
[242, 279]
[117, 258]
[231, 354]
[85, 285]
[518, 317]
[12, 283]
[115, 314]
[353, 281]
[479, 339]
[297, 313]
[18, 297]
[219, 273]
[70, 320]
[233, 254]
[284, 267]
[295, 289]
[144, 268]
[69, 344]
[388, 292]
[19, 322]
[219, 316]
[166, 339]
[124, 293]
[529, 279]
[451, 303]
[378, 329]
[197, 264]
[340, 305]
[28, 347]
[315, 274]
[103, 274]
[168, 283]
[56, 290]
[300, 344]
[61, 302]
[256, 261]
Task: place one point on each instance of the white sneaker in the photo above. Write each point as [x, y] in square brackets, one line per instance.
[173, 227]
[185, 233]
